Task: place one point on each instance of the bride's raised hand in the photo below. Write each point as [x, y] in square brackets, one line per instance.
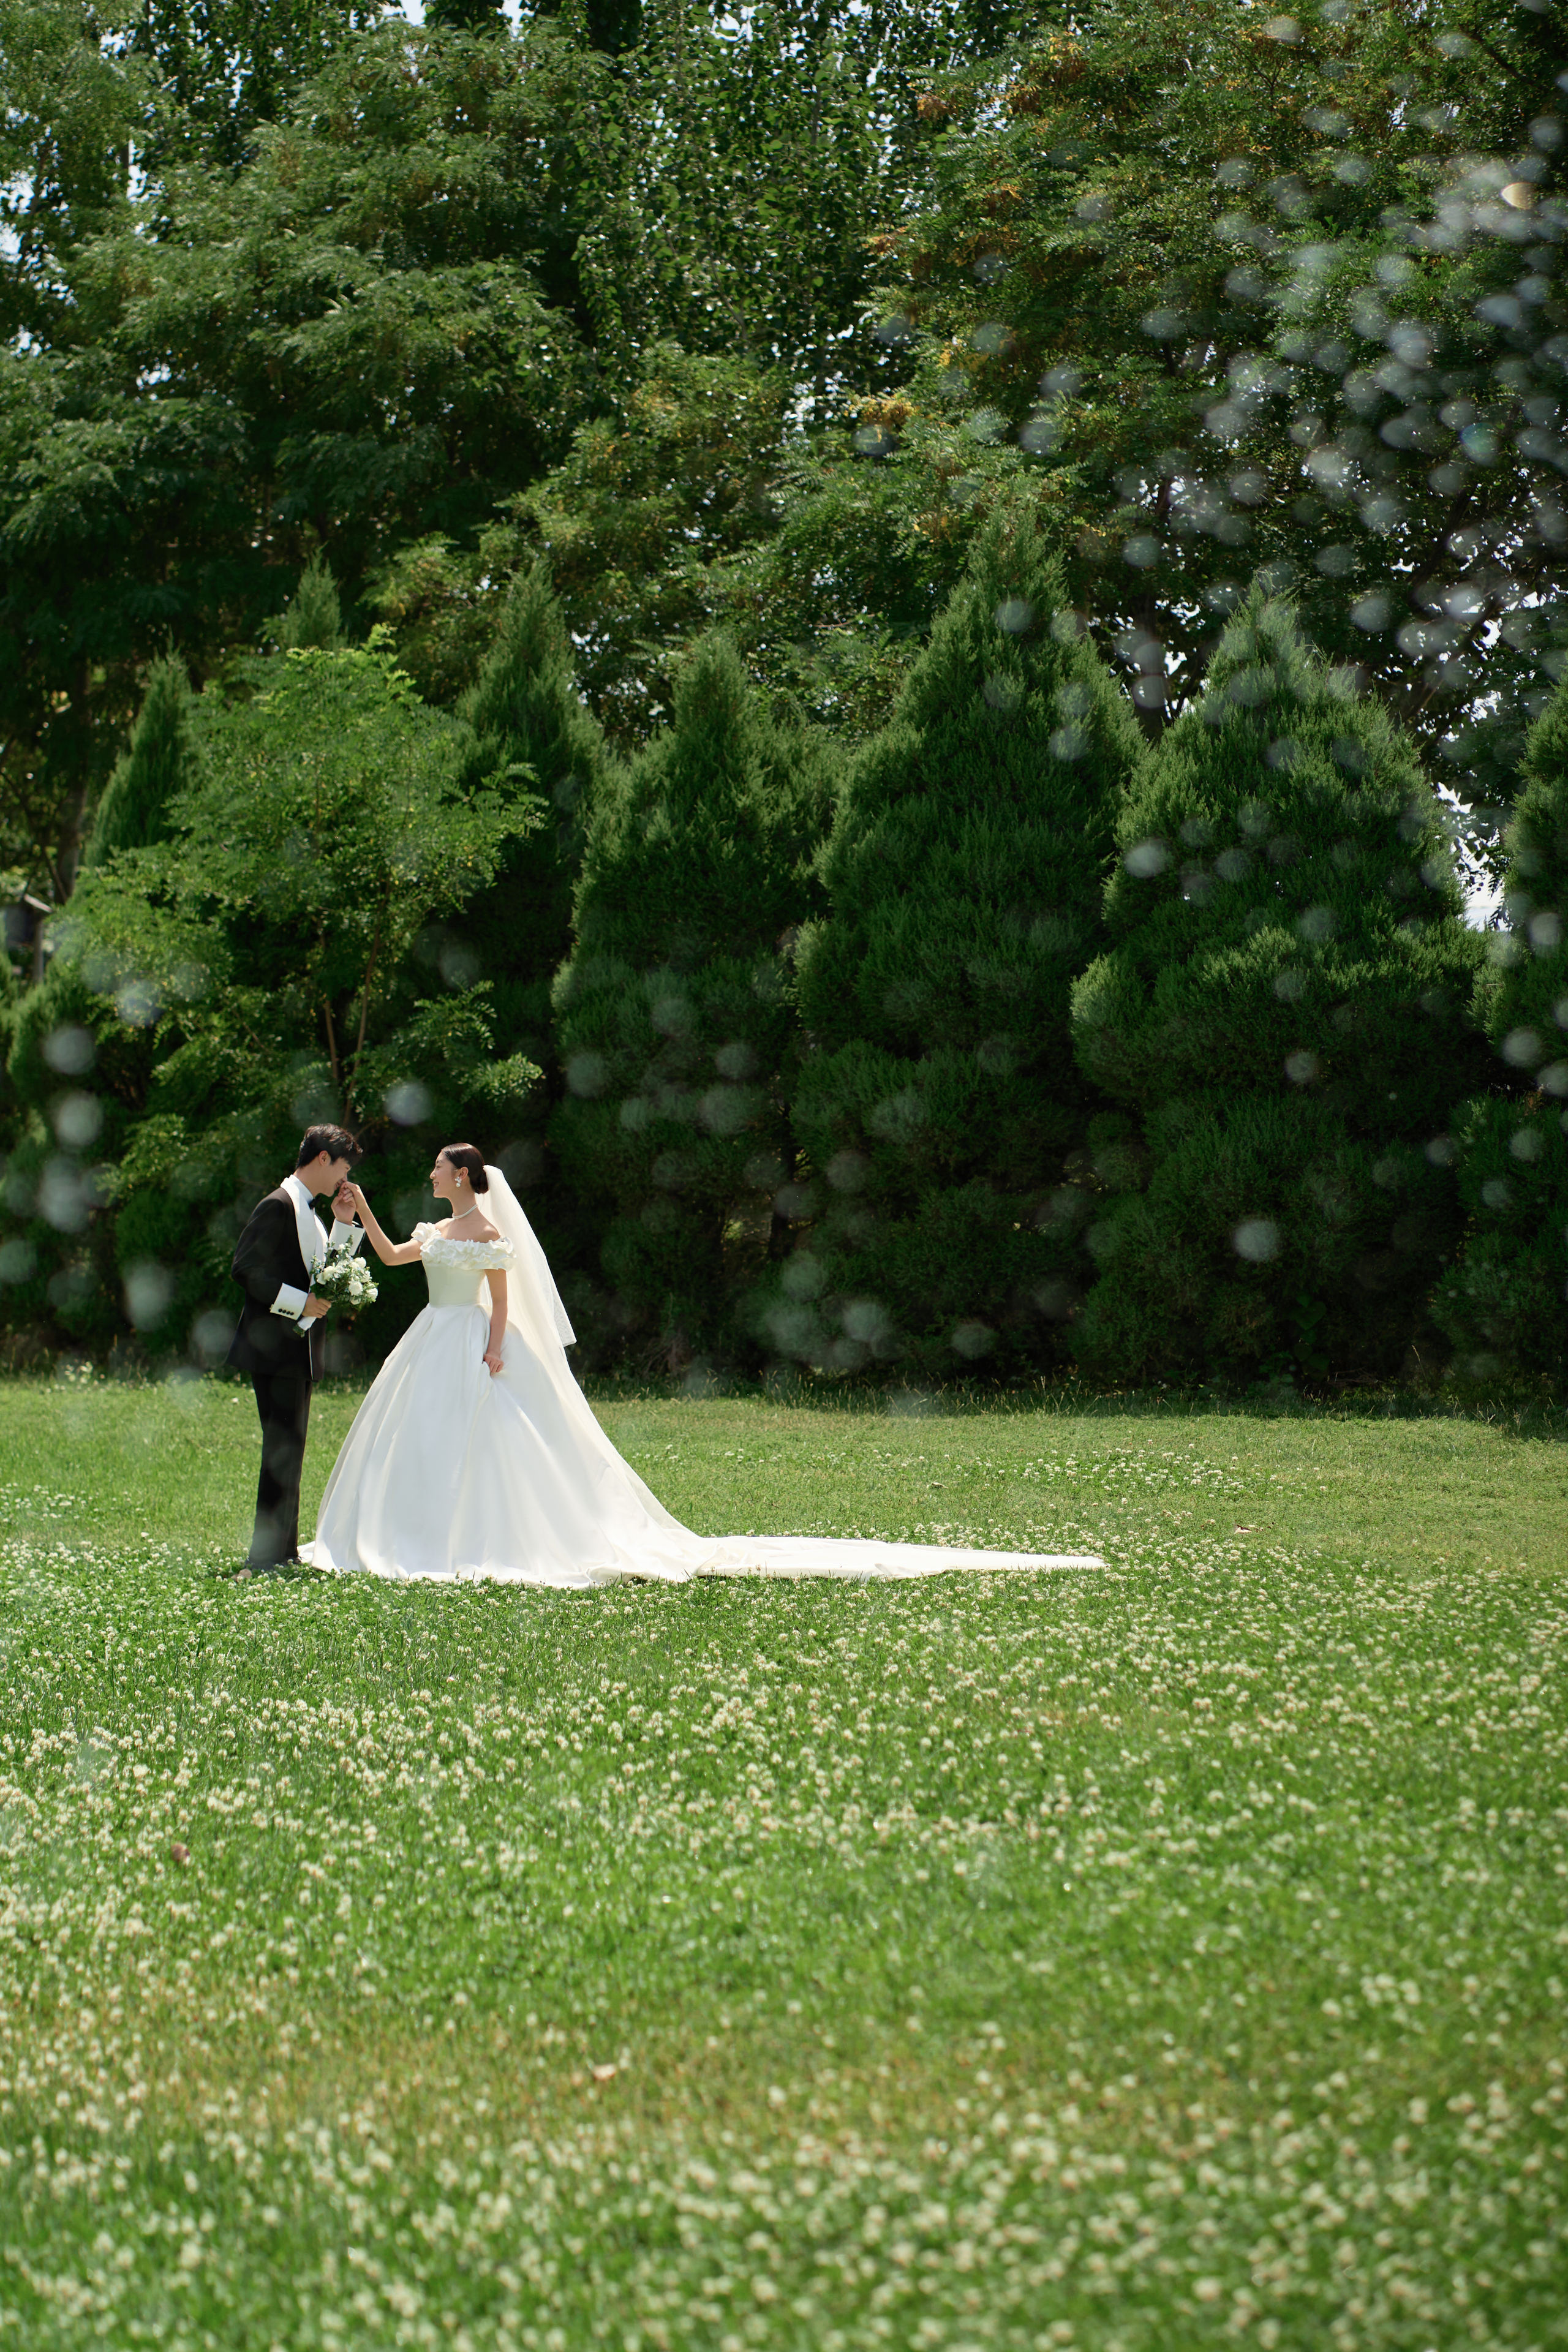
[354, 1199]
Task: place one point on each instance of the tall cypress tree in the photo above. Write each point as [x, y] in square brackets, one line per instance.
[940, 1104]
[158, 761]
[1286, 1006]
[530, 727]
[1502, 1304]
[534, 735]
[672, 1018]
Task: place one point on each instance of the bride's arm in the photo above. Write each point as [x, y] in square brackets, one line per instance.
[389, 1252]
[498, 1321]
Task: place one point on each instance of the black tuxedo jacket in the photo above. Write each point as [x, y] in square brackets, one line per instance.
[268, 1256]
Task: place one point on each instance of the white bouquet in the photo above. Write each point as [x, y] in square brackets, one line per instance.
[343, 1279]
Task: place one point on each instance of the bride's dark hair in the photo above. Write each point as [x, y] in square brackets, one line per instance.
[471, 1163]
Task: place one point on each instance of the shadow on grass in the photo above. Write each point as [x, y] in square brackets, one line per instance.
[1526, 1409]
[287, 1571]
[1523, 1410]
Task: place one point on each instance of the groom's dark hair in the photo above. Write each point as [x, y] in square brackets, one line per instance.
[335, 1141]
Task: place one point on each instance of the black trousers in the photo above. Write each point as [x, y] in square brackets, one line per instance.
[283, 1401]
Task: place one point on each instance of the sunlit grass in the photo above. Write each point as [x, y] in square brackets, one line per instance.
[1172, 1955]
[177, 1462]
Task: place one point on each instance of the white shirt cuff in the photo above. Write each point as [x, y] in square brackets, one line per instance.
[289, 1302]
[352, 1233]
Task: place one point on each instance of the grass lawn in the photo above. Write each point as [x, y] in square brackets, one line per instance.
[1172, 1955]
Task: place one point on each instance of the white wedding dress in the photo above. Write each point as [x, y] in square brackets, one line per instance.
[451, 1472]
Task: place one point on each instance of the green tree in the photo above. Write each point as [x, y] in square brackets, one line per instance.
[259, 968]
[1286, 1006]
[221, 70]
[361, 288]
[672, 1017]
[761, 149]
[157, 767]
[466, 17]
[611, 26]
[74, 102]
[641, 526]
[1502, 1304]
[644, 513]
[727, 282]
[1521, 998]
[1258, 296]
[12, 1127]
[345, 344]
[313, 616]
[944, 1118]
[529, 722]
[329, 833]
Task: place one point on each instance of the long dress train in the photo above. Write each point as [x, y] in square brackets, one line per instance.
[450, 1473]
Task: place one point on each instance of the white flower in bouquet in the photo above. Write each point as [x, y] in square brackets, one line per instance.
[345, 1279]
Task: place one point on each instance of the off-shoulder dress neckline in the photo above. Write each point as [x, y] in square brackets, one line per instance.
[425, 1234]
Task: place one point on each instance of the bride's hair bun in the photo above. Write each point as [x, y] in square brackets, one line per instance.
[471, 1163]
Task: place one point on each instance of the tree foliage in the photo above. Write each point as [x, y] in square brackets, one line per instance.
[221, 70]
[265, 964]
[672, 1012]
[1260, 297]
[529, 722]
[365, 284]
[755, 321]
[643, 519]
[74, 97]
[313, 617]
[938, 1105]
[360, 336]
[1502, 1304]
[158, 766]
[1286, 1006]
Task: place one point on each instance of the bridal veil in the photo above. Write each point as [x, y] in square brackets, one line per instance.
[534, 1307]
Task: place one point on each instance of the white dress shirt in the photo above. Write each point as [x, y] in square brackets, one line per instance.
[314, 1247]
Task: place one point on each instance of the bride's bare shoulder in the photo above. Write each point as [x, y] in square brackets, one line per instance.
[480, 1234]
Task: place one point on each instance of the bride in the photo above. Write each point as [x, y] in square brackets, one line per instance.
[476, 1453]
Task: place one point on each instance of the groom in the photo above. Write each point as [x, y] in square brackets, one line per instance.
[279, 1340]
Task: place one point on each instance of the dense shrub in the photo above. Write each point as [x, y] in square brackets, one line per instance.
[1523, 997]
[1287, 1008]
[80, 1056]
[940, 1104]
[81, 1059]
[673, 1025]
[1503, 1304]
